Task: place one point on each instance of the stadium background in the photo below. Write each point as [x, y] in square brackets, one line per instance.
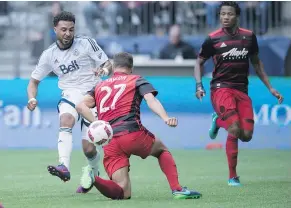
[142, 28]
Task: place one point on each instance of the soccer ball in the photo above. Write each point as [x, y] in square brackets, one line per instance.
[100, 133]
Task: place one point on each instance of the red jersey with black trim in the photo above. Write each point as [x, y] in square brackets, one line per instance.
[118, 101]
[230, 54]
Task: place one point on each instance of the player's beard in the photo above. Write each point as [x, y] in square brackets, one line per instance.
[67, 42]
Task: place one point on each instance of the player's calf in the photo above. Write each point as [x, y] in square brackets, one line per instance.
[117, 188]
[89, 149]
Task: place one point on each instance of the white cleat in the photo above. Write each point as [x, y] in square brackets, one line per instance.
[87, 178]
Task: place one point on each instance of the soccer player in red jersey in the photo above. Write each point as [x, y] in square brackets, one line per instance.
[118, 100]
[231, 48]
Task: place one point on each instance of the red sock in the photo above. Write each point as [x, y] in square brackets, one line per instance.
[221, 123]
[168, 166]
[232, 152]
[109, 188]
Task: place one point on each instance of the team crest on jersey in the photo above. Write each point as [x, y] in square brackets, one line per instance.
[76, 52]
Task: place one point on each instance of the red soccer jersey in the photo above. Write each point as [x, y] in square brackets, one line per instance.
[230, 54]
[118, 100]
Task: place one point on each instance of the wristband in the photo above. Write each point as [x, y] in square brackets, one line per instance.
[199, 87]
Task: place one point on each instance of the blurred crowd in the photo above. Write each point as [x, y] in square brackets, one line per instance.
[156, 17]
[159, 18]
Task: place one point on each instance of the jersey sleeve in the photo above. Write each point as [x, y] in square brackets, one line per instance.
[207, 49]
[144, 87]
[96, 52]
[254, 47]
[43, 68]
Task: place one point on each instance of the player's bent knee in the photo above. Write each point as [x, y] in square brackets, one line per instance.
[68, 113]
[234, 129]
[246, 136]
[67, 120]
[158, 148]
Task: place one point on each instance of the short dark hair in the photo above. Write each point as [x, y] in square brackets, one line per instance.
[123, 59]
[231, 4]
[64, 16]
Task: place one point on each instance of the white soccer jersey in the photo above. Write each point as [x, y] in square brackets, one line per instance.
[73, 66]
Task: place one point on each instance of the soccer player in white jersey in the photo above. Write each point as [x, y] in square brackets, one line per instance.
[78, 62]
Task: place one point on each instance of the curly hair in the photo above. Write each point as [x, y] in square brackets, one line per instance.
[64, 16]
[231, 4]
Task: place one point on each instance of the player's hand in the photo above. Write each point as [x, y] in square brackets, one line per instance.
[200, 94]
[276, 94]
[102, 72]
[172, 122]
[31, 104]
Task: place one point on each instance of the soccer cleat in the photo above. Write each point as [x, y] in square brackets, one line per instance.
[213, 131]
[87, 180]
[82, 190]
[60, 171]
[185, 193]
[234, 181]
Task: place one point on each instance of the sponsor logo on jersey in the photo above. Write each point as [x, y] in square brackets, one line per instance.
[71, 67]
[235, 53]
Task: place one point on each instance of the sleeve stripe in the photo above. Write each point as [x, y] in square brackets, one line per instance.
[93, 44]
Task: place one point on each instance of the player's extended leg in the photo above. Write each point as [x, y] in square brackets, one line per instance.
[68, 116]
[65, 144]
[169, 168]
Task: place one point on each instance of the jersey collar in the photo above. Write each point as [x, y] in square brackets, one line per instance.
[66, 48]
[234, 34]
[120, 73]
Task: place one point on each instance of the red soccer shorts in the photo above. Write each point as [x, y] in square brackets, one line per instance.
[119, 149]
[232, 105]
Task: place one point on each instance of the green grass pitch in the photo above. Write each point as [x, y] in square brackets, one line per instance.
[265, 175]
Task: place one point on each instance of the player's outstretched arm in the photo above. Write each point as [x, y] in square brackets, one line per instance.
[198, 71]
[84, 108]
[31, 93]
[259, 68]
[155, 105]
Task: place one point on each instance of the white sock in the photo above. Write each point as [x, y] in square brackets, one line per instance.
[94, 163]
[65, 145]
